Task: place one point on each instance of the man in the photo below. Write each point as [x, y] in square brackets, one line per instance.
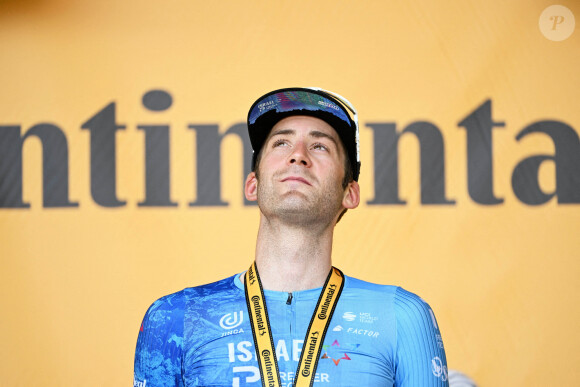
[292, 318]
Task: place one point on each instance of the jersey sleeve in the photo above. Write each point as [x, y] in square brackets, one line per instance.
[158, 356]
[420, 356]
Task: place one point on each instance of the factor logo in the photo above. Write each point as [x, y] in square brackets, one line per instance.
[363, 332]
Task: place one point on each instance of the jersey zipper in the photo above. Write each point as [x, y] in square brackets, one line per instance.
[291, 311]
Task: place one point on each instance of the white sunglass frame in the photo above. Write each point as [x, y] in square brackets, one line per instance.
[346, 103]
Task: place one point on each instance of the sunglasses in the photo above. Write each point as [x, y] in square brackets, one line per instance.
[311, 100]
[346, 103]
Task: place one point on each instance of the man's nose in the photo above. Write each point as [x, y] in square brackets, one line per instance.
[299, 155]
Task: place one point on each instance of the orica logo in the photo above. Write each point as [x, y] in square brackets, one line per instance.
[232, 320]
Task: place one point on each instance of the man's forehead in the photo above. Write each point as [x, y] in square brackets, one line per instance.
[314, 127]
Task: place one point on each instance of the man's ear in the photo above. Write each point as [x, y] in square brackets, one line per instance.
[251, 187]
[351, 198]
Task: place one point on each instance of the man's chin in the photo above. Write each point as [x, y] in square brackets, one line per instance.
[298, 216]
[294, 202]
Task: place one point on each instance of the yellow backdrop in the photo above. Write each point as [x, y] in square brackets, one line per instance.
[85, 252]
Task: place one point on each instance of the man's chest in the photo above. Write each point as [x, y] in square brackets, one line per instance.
[219, 350]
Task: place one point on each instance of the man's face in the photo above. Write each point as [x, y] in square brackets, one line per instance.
[301, 171]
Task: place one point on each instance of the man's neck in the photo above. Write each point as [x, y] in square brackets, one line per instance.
[291, 259]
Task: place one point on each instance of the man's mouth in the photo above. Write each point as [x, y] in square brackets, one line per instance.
[296, 178]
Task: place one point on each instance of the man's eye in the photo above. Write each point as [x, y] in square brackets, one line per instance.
[278, 143]
[320, 147]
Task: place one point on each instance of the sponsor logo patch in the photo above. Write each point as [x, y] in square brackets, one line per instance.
[337, 352]
[232, 320]
[367, 318]
[363, 317]
[439, 369]
[349, 316]
[138, 383]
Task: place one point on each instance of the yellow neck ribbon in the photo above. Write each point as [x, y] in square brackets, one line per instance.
[315, 334]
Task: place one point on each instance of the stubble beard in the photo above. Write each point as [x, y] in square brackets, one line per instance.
[301, 208]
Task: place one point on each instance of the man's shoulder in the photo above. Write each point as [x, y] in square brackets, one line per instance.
[398, 295]
[358, 285]
[213, 288]
[405, 305]
[179, 299]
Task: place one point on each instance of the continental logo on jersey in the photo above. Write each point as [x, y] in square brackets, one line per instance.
[267, 356]
[331, 290]
[337, 352]
[312, 340]
[260, 321]
[252, 275]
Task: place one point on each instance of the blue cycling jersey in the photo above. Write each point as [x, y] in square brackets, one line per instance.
[379, 335]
